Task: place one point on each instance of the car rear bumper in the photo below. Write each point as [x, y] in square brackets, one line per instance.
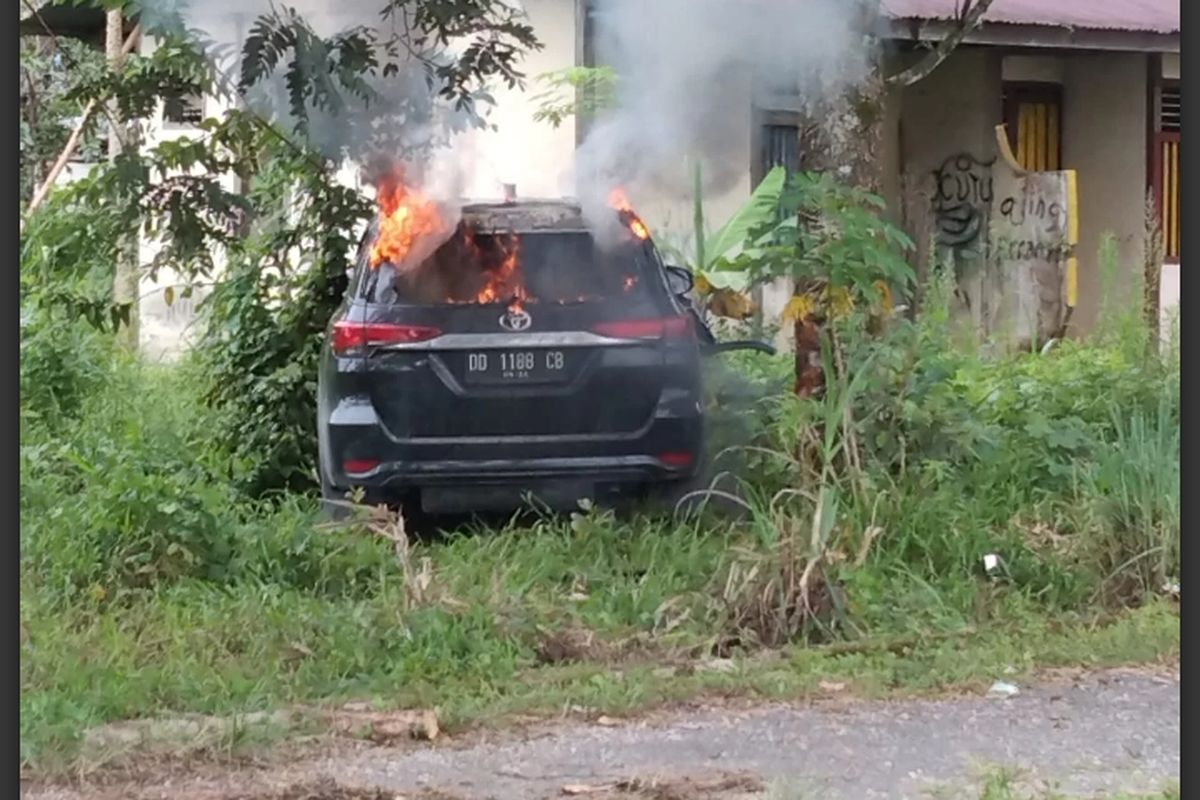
[507, 470]
[668, 448]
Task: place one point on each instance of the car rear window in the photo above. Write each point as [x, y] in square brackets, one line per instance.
[542, 266]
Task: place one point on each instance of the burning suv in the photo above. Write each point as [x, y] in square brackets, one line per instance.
[520, 358]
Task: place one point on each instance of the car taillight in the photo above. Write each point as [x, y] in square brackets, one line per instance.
[352, 335]
[667, 327]
[357, 466]
[676, 459]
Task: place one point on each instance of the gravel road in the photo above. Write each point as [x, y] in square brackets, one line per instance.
[1089, 735]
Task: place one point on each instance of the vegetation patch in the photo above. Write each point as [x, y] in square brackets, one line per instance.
[933, 519]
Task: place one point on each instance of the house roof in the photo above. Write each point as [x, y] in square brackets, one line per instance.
[1150, 16]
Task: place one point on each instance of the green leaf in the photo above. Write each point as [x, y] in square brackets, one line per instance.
[759, 208]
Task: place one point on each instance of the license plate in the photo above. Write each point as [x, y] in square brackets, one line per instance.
[517, 366]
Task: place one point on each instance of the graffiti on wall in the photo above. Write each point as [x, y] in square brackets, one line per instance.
[1033, 234]
[1038, 222]
[1030, 247]
[1011, 236]
[962, 196]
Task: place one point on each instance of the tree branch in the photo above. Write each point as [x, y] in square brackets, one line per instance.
[73, 63]
[73, 140]
[969, 17]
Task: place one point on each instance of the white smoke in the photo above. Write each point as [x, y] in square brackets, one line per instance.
[405, 121]
[688, 71]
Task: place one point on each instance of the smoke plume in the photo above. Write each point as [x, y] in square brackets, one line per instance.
[404, 127]
[688, 72]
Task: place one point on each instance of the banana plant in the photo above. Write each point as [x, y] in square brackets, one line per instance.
[724, 286]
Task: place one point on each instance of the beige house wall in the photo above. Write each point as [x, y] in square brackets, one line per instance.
[1170, 66]
[951, 113]
[954, 111]
[1104, 140]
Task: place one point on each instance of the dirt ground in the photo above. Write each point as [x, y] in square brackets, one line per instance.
[1085, 734]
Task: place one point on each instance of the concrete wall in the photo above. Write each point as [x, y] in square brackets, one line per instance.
[951, 113]
[954, 110]
[1170, 66]
[1168, 299]
[1033, 68]
[1104, 140]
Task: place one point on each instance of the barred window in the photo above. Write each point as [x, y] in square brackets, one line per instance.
[1033, 115]
[781, 148]
[1166, 167]
[183, 110]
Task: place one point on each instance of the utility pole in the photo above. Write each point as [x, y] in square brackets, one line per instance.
[126, 283]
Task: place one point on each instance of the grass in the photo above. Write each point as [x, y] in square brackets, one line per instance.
[150, 586]
[1006, 784]
[230, 655]
[474, 647]
[998, 783]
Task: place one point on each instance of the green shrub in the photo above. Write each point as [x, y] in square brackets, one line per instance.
[62, 362]
[136, 496]
[264, 325]
[961, 455]
[126, 498]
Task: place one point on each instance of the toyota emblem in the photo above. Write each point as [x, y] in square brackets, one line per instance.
[516, 320]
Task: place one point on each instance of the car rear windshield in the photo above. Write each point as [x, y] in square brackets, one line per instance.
[542, 266]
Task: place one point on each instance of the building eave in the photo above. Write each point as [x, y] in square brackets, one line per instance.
[1045, 36]
[72, 22]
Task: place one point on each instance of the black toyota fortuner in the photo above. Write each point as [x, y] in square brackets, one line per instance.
[522, 360]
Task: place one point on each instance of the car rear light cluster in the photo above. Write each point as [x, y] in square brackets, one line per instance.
[664, 328]
[349, 335]
[679, 459]
[358, 466]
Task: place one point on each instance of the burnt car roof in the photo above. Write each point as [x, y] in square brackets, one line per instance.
[526, 215]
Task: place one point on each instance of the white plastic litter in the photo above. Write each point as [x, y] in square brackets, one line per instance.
[1002, 691]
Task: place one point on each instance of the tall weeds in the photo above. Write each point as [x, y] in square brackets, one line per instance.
[1130, 501]
[922, 456]
[784, 586]
[1122, 320]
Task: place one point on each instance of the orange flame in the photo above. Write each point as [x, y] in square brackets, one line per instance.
[618, 200]
[405, 216]
[504, 280]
